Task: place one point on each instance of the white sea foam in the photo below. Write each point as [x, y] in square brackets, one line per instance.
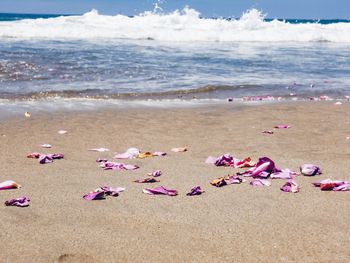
[180, 26]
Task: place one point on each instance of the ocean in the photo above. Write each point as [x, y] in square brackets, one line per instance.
[160, 59]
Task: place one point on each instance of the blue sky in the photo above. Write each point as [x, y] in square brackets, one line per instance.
[274, 8]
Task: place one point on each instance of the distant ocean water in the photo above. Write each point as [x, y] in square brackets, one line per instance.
[174, 56]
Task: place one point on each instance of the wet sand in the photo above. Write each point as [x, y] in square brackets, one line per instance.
[235, 223]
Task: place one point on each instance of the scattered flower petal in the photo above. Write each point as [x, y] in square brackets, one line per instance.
[117, 166]
[155, 173]
[195, 191]
[310, 169]
[180, 149]
[290, 186]
[160, 190]
[129, 154]
[284, 174]
[9, 184]
[147, 180]
[20, 202]
[46, 145]
[260, 182]
[62, 132]
[99, 150]
[103, 191]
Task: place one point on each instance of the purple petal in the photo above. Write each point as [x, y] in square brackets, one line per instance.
[147, 180]
[155, 173]
[160, 190]
[224, 160]
[195, 191]
[233, 179]
[94, 195]
[291, 187]
[260, 182]
[21, 202]
[343, 187]
[45, 159]
[310, 169]
[284, 174]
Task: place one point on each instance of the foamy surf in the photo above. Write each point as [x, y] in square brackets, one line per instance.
[178, 26]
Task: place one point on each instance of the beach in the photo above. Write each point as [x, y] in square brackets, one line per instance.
[234, 223]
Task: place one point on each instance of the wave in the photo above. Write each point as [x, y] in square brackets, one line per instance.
[107, 94]
[178, 26]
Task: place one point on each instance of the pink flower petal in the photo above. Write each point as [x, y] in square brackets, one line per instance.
[9, 185]
[160, 190]
[291, 187]
[147, 180]
[129, 154]
[155, 173]
[284, 174]
[310, 169]
[260, 182]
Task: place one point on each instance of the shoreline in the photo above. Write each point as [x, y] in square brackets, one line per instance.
[236, 223]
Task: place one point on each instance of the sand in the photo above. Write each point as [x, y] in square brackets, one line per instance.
[236, 223]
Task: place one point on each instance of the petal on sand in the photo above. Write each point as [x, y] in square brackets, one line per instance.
[290, 186]
[260, 182]
[129, 154]
[195, 191]
[155, 173]
[180, 149]
[46, 145]
[219, 182]
[310, 169]
[9, 184]
[99, 150]
[284, 174]
[98, 195]
[147, 180]
[159, 153]
[21, 202]
[160, 190]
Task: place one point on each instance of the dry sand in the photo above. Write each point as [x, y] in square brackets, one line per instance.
[236, 223]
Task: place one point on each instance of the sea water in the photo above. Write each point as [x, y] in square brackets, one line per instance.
[82, 61]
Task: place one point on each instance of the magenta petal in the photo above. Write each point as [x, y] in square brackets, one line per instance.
[21, 202]
[284, 174]
[233, 179]
[260, 182]
[195, 191]
[343, 187]
[310, 169]
[155, 173]
[291, 187]
[94, 195]
[160, 190]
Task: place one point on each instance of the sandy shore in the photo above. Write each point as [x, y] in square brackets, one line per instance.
[236, 223]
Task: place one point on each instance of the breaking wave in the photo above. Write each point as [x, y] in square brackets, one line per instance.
[178, 26]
